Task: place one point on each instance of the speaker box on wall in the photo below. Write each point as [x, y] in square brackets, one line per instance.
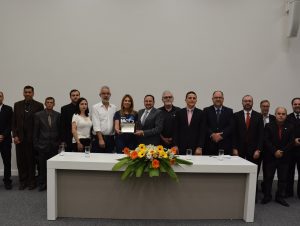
[293, 11]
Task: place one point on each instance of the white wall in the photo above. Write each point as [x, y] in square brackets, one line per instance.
[143, 46]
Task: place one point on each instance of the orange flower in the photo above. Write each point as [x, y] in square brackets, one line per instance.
[172, 161]
[155, 163]
[133, 155]
[126, 151]
[173, 150]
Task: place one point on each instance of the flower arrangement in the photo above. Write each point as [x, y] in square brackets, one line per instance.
[151, 159]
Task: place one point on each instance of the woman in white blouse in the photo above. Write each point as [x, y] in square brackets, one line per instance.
[81, 126]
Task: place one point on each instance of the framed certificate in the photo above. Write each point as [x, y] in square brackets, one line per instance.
[127, 127]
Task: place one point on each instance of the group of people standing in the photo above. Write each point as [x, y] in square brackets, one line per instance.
[256, 136]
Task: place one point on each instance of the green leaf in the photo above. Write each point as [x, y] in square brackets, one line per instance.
[127, 172]
[153, 172]
[120, 164]
[183, 161]
[140, 170]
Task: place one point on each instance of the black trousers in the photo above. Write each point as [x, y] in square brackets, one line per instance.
[293, 161]
[109, 144]
[270, 168]
[5, 149]
[84, 141]
[43, 156]
[26, 163]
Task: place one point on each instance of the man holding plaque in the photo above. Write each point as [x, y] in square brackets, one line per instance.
[124, 124]
[150, 122]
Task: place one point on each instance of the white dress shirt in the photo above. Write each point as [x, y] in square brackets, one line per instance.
[245, 114]
[103, 118]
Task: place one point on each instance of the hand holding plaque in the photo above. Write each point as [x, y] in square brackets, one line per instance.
[127, 127]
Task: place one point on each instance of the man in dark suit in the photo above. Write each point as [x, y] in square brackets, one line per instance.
[150, 122]
[294, 119]
[189, 128]
[168, 113]
[218, 127]
[46, 137]
[67, 112]
[23, 115]
[248, 132]
[278, 140]
[5, 140]
[267, 118]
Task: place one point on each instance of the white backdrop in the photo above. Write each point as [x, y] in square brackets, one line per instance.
[143, 46]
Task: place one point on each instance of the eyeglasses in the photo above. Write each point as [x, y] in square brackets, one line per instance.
[167, 97]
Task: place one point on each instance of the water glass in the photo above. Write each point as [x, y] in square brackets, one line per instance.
[221, 155]
[87, 151]
[189, 153]
[61, 149]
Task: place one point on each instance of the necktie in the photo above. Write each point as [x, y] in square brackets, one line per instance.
[218, 112]
[144, 117]
[280, 132]
[49, 120]
[248, 120]
[190, 114]
[298, 116]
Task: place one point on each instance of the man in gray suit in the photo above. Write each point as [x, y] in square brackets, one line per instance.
[150, 122]
[46, 137]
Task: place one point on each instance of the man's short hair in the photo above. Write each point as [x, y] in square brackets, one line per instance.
[190, 92]
[296, 98]
[29, 87]
[49, 98]
[264, 101]
[74, 90]
[150, 95]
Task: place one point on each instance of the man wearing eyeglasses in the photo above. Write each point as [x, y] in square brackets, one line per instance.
[168, 114]
[218, 126]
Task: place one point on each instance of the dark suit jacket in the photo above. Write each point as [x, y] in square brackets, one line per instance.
[272, 118]
[272, 142]
[189, 136]
[296, 125]
[18, 119]
[246, 141]
[67, 112]
[5, 123]
[46, 138]
[152, 127]
[212, 126]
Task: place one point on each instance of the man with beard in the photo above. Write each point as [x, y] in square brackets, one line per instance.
[103, 123]
[67, 113]
[248, 132]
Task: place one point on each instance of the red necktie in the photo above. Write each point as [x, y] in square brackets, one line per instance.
[279, 132]
[248, 120]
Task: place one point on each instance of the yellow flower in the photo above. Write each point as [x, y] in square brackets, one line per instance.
[160, 148]
[142, 147]
[141, 154]
[165, 155]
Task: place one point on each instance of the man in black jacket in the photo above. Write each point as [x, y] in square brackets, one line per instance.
[67, 112]
[5, 140]
[294, 119]
[278, 140]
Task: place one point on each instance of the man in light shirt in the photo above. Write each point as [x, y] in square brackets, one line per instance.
[103, 124]
[264, 110]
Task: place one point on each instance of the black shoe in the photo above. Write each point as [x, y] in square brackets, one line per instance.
[22, 186]
[265, 200]
[281, 201]
[31, 187]
[42, 187]
[8, 186]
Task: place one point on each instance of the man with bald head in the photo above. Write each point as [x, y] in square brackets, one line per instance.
[248, 132]
[278, 140]
[218, 127]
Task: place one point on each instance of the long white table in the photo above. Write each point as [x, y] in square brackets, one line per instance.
[80, 186]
